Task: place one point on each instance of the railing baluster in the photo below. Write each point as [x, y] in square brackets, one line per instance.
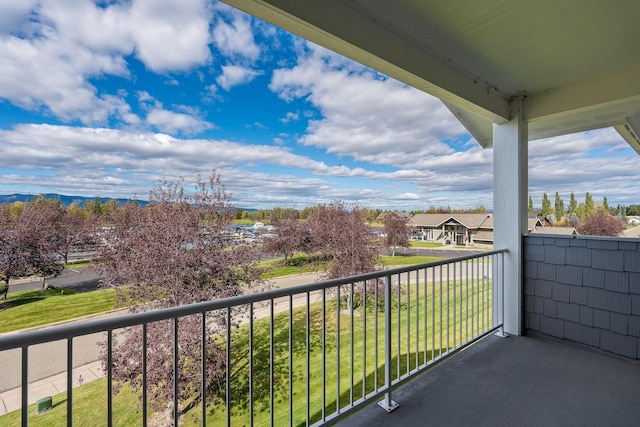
[271, 361]
[440, 297]
[69, 382]
[203, 367]
[388, 404]
[398, 332]
[417, 286]
[144, 374]
[338, 349]
[425, 317]
[110, 377]
[324, 353]
[176, 374]
[376, 334]
[308, 356]
[351, 290]
[251, 364]
[408, 323]
[290, 360]
[228, 366]
[364, 339]
[25, 386]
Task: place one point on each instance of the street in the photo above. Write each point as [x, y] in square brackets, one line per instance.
[80, 280]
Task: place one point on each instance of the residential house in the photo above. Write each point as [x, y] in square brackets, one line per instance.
[458, 229]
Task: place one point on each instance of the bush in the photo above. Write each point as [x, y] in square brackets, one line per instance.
[4, 289]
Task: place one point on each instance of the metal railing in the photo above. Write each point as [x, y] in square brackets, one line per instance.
[309, 354]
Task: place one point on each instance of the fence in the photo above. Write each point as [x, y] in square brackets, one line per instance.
[305, 355]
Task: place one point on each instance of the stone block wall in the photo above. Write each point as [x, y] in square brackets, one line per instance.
[584, 289]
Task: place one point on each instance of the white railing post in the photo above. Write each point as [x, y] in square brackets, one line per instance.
[386, 403]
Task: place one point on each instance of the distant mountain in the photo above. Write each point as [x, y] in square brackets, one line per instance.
[66, 200]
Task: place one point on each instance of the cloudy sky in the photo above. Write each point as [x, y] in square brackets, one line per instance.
[105, 98]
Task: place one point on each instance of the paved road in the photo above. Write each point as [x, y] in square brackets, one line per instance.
[81, 280]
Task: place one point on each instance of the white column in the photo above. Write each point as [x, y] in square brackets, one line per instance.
[510, 205]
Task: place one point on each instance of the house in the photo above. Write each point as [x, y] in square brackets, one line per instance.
[448, 229]
[458, 229]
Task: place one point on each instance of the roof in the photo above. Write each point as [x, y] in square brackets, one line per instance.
[471, 221]
[575, 63]
[569, 231]
[483, 236]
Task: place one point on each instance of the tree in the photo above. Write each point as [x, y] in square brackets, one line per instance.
[602, 223]
[37, 232]
[342, 233]
[12, 260]
[546, 206]
[573, 204]
[172, 252]
[590, 205]
[531, 208]
[397, 233]
[559, 206]
[290, 235]
[605, 204]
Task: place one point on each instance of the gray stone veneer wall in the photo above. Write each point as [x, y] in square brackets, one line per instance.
[584, 289]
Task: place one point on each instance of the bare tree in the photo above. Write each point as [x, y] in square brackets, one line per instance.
[397, 233]
[290, 234]
[12, 259]
[37, 234]
[174, 251]
[342, 233]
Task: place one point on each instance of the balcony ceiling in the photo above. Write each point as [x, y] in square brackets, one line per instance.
[576, 63]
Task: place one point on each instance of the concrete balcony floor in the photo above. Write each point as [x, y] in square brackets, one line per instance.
[517, 381]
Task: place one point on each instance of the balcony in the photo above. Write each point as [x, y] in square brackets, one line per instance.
[421, 337]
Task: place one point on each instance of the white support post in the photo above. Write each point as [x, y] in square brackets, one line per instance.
[510, 188]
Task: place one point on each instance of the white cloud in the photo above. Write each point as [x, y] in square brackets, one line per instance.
[173, 123]
[234, 75]
[364, 115]
[172, 34]
[235, 39]
[61, 45]
[290, 117]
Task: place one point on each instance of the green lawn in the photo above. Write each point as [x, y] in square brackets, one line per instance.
[27, 309]
[421, 244]
[443, 305]
[402, 259]
[89, 408]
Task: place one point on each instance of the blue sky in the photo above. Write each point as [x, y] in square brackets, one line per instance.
[107, 98]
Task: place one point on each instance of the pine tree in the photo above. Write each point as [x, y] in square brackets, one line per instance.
[590, 205]
[546, 206]
[531, 209]
[573, 204]
[559, 205]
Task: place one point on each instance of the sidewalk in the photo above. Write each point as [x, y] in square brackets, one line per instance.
[11, 400]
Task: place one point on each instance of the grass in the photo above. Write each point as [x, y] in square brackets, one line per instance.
[425, 308]
[242, 221]
[27, 309]
[402, 259]
[420, 244]
[441, 308]
[89, 408]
